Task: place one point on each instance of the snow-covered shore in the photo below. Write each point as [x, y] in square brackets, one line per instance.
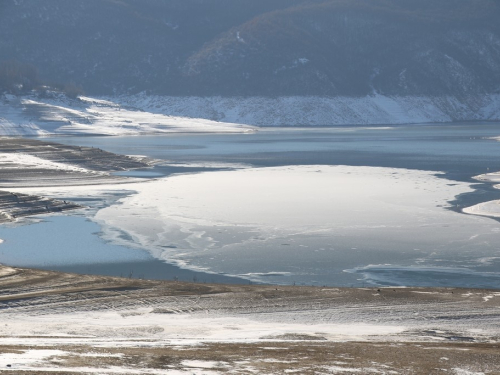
[319, 111]
[152, 114]
[58, 114]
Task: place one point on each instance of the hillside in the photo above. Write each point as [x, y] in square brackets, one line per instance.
[107, 46]
[257, 47]
[264, 62]
[355, 48]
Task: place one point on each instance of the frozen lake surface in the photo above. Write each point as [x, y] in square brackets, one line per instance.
[325, 206]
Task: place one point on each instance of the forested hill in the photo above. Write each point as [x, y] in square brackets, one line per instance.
[267, 48]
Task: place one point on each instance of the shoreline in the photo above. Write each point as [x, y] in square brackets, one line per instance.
[151, 270]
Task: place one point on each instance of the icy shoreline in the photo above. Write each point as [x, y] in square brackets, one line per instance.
[222, 222]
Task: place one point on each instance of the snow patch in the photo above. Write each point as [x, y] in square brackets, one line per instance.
[201, 364]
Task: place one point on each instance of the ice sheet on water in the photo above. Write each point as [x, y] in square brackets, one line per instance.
[305, 222]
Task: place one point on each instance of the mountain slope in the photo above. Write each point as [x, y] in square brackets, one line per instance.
[357, 47]
[117, 45]
[259, 62]
[259, 47]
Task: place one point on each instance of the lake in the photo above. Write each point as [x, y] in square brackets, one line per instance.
[344, 206]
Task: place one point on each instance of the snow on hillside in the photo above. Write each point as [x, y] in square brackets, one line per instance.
[58, 114]
[150, 114]
[314, 110]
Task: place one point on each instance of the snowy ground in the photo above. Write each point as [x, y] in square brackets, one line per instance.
[32, 115]
[150, 114]
[90, 324]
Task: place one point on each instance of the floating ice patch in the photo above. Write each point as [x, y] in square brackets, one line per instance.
[489, 177]
[307, 217]
[490, 208]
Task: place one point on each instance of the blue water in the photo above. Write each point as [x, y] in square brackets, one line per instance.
[72, 244]
[412, 139]
[58, 240]
[460, 150]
